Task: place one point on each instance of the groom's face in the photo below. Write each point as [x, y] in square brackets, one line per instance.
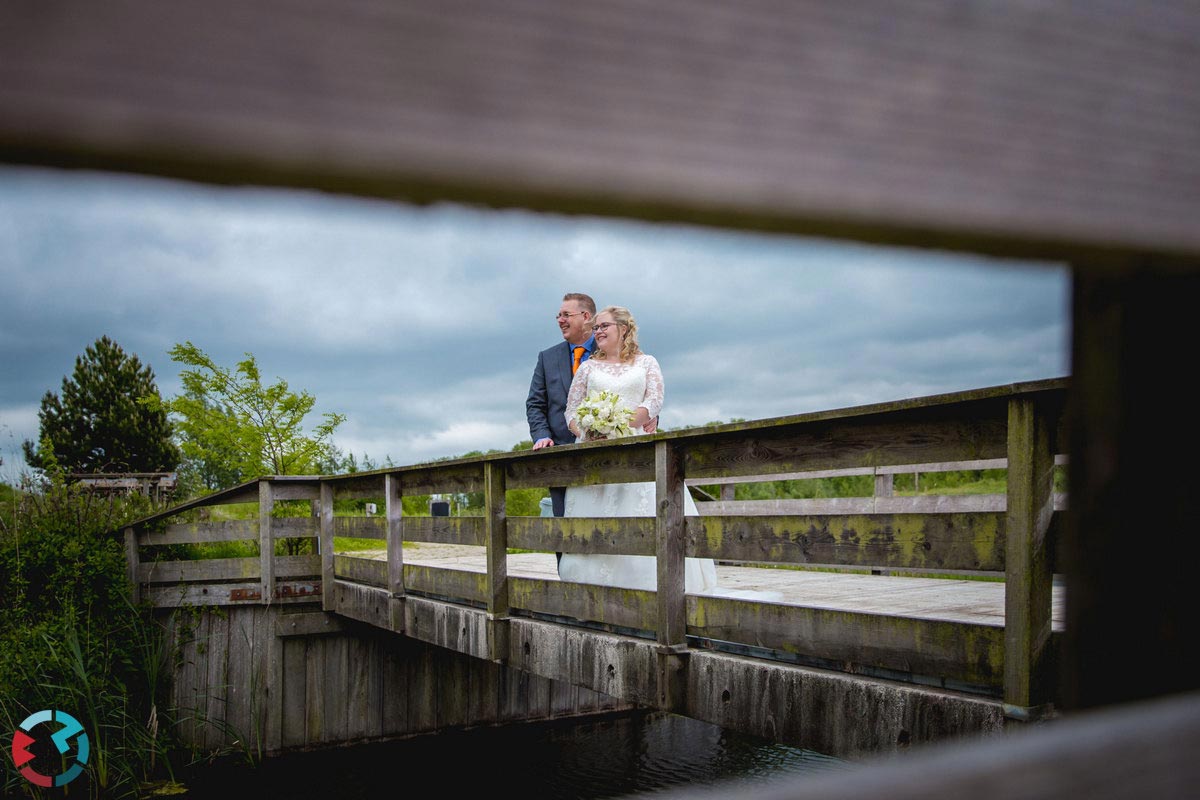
[574, 322]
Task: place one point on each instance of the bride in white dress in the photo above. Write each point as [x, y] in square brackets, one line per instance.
[618, 365]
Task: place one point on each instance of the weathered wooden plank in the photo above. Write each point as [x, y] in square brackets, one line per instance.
[422, 685]
[616, 535]
[289, 490]
[618, 461]
[360, 527]
[627, 608]
[316, 687]
[920, 504]
[445, 530]
[917, 541]
[218, 681]
[242, 696]
[461, 629]
[215, 569]
[364, 603]
[370, 571]
[954, 651]
[807, 118]
[207, 569]
[394, 514]
[295, 687]
[394, 675]
[202, 532]
[960, 431]
[310, 623]
[470, 586]
[459, 476]
[337, 675]
[295, 527]
[892, 469]
[266, 539]
[229, 594]
[358, 691]
[669, 535]
[328, 601]
[832, 712]
[1028, 676]
[496, 538]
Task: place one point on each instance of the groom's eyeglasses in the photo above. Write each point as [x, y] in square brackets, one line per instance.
[603, 326]
[564, 315]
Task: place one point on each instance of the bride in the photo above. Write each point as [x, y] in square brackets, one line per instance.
[619, 366]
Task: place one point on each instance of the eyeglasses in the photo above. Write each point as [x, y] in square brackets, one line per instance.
[603, 326]
[564, 315]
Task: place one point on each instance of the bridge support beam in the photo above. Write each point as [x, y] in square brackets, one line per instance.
[496, 535]
[669, 535]
[1028, 678]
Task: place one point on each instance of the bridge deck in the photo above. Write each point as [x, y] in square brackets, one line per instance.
[929, 598]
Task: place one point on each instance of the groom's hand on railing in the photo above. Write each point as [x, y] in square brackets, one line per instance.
[540, 443]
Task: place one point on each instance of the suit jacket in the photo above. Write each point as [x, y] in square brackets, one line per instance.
[546, 406]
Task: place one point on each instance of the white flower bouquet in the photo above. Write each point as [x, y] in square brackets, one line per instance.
[601, 415]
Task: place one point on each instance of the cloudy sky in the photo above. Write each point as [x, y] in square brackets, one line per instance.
[422, 325]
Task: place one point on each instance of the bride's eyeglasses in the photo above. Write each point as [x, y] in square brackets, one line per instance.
[603, 326]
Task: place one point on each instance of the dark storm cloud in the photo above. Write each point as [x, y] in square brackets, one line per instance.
[422, 325]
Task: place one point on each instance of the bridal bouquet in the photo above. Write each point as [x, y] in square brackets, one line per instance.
[601, 415]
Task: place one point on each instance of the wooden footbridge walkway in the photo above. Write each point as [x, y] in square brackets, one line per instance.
[842, 663]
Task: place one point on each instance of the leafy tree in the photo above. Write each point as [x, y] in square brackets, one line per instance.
[98, 423]
[233, 428]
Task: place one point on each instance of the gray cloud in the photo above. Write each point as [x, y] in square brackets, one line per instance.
[423, 324]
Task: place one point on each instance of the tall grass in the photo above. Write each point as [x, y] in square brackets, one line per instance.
[72, 640]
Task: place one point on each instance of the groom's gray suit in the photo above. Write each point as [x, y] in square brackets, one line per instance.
[546, 406]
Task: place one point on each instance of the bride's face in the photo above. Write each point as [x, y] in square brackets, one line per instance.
[608, 334]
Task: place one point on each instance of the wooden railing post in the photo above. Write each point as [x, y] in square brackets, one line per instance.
[496, 534]
[670, 549]
[266, 540]
[1028, 683]
[328, 593]
[394, 512]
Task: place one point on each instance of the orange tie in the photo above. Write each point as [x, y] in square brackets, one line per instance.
[578, 355]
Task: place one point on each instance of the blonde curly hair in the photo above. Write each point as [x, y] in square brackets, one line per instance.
[629, 341]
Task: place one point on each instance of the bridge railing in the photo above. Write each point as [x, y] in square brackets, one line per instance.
[1022, 425]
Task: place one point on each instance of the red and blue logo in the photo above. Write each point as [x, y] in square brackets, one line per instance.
[69, 728]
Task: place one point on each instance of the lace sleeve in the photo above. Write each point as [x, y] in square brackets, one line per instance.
[578, 390]
[653, 401]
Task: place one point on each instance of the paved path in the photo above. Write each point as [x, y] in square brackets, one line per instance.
[931, 598]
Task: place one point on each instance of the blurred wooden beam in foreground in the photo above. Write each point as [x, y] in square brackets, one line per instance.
[1050, 130]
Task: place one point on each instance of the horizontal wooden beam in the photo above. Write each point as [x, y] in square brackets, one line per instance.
[225, 569]
[627, 608]
[969, 654]
[632, 536]
[360, 527]
[1046, 131]
[182, 595]
[445, 530]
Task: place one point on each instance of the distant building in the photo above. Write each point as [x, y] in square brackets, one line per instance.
[158, 485]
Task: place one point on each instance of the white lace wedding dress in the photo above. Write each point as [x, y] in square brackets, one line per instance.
[638, 384]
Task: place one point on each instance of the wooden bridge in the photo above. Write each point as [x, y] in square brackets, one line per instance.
[849, 676]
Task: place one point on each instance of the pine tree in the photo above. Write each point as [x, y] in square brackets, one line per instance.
[99, 423]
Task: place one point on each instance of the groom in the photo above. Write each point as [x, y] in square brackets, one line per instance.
[546, 406]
